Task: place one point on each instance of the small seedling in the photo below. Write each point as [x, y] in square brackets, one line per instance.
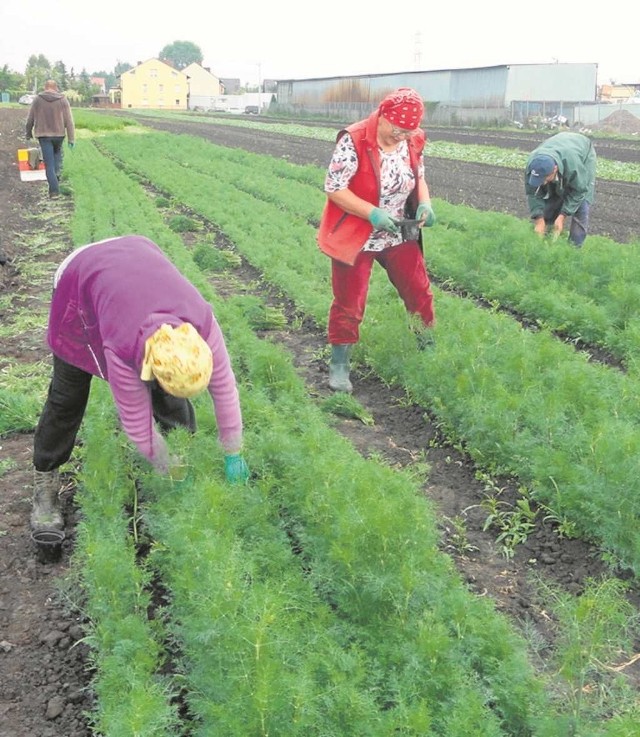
[457, 535]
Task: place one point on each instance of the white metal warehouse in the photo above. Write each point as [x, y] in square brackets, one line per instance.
[489, 94]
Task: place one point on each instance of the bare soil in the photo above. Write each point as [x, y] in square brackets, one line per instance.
[45, 667]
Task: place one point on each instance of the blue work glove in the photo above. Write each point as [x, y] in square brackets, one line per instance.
[426, 211]
[381, 220]
[71, 145]
[235, 468]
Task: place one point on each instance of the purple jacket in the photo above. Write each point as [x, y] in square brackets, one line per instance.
[108, 298]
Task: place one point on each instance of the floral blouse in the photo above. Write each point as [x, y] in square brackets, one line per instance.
[396, 184]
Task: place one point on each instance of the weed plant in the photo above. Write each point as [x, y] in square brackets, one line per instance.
[209, 257]
[596, 634]
[259, 315]
[346, 405]
[183, 224]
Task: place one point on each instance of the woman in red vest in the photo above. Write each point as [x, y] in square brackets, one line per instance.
[375, 179]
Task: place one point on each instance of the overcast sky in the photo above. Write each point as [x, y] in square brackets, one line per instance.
[283, 39]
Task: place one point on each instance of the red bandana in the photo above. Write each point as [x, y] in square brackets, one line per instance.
[403, 108]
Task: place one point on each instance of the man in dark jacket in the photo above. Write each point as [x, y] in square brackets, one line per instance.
[560, 179]
[50, 116]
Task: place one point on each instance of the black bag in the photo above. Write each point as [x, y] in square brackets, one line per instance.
[409, 226]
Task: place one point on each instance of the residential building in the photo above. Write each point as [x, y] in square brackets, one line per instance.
[230, 85]
[203, 86]
[100, 83]
[620, 92]
[154, 84]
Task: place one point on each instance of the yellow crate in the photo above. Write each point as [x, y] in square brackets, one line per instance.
[27, 172]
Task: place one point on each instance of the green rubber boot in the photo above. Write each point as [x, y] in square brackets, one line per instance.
[45, 513]
[339, 368]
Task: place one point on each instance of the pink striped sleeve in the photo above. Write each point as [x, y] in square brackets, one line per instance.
[224, 393]
[133, 401]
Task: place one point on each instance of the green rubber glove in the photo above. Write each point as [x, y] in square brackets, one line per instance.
[381, 220]
[71, 145]
[425, 210]
[235, 469]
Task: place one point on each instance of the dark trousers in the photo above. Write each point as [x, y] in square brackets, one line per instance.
[51, 147]
[579, 220]
[407, 272]
[65, 406]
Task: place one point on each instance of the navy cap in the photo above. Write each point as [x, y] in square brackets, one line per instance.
[539, 169]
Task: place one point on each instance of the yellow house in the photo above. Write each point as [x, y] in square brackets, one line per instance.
[203, 86]
[619, 92]
[154, 84]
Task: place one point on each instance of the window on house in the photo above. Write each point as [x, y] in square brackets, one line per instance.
[160, 88]
[153, 73]
[144, 89]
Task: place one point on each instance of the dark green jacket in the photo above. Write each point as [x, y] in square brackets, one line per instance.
[575, 182]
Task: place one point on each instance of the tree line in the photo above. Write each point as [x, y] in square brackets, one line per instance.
[179, 54]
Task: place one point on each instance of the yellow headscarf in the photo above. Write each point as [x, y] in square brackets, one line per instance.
[179, 359]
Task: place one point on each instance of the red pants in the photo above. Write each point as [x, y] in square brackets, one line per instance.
[407, 272]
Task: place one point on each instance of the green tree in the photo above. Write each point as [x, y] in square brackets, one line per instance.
[84, 87]
[121, 68]
[38, 71]
[181, 53]
[60, 74]
[11, 81]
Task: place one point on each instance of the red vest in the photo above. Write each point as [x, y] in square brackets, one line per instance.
[341, 235]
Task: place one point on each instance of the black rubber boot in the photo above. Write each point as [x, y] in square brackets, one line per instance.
[339, 368]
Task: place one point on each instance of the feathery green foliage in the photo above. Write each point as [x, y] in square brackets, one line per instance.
[210, 258]
[346, 405]
[321, 603]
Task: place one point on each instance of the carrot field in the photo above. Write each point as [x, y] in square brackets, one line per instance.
[319, 599]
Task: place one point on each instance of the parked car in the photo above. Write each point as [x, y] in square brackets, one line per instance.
[252, 110]
[26, 99]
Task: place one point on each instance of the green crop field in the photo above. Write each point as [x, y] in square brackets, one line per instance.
[316, 600]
